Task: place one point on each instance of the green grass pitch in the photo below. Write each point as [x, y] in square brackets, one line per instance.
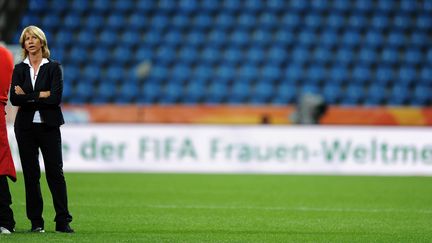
[109, 207]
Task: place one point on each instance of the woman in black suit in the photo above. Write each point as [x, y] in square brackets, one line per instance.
[37, 85]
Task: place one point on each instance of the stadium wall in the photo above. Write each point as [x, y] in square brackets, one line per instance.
[226, 114]
[344, 150]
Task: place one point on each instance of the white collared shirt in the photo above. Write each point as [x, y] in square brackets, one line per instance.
[37, 118]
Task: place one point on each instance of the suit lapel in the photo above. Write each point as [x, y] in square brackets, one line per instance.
[41, 73]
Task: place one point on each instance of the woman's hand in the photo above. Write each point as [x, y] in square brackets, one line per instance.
[18, 90]
[44, 94]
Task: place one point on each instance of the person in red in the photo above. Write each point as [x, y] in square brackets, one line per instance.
[7, 168]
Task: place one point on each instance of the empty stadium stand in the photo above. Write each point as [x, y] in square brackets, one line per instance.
[353, 52]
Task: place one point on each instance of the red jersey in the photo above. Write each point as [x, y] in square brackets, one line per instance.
[6, 69]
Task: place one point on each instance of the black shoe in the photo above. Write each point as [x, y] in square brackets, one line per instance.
[64, 228]
[37, 229]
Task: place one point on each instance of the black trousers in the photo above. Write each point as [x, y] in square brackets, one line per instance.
[48, 140]
[6, 213]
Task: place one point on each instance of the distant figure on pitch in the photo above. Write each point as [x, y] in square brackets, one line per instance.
[37, 86]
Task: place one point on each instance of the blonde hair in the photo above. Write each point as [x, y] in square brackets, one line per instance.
[34, 30]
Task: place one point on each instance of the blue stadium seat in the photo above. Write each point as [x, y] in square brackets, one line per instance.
[50, 22]
[72, 21]
[246, 21]
[389, 56]
[194, 93]
[332, 93]
[320, 6]
[159, 22]
[417, 39]
[262, 93]
[115, 73]
[124, 6]
[285, 93]
[64, 38]
[407, 76]
[361, 74]
[374, 38]
[339, 74]
[105, 93]
[341, 6]
[300, 55]
[165, 55]
[188, 55]
[224, 21]
[82, 93]
[329, 39]
[380, 22]
[99, 6]
[284, 37]
[248, 72]
[217, 93]
[121, 55]
[276, 55]
[107, 38]
[270, 73]
[290, 20]
[424, 21]
[78, 55]
[344, 56]
[86, 38]
[322, 55]
[130, 38]
[92, 73]
[307, 37]
[239, 38]
[426, 75]
[150, 93]
[138, 21]
[171, 94]
[399, 95]
[402, 22]
[196, 38]
[368, 56]
[376, 95]
[312, 21]
[254, 6]
[294, 73]
[99, 56]
[364, 6]
[413, 56]
[202, 21]
[127, 93]
[353, 95]
[335, 21]
[315, 74]
[159, 73]
[267, 20]
[351, 38]
[79, 6]
[180, 73]
[255, 56]
[239, 93]
[225, 72]
[384, 75]
[421, 96]
[396, 39]
[217, 38]
[203, 72]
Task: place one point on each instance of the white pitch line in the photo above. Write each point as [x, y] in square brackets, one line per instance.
[305, 209]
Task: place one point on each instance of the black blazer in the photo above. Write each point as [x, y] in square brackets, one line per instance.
[50, 77]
